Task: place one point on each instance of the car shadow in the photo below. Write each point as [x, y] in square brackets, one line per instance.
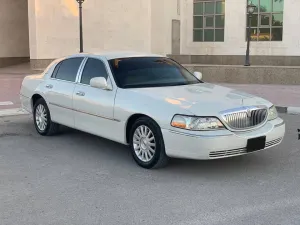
[121, 155]
[229, 166]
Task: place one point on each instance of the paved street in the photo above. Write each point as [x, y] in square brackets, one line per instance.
[76, 178]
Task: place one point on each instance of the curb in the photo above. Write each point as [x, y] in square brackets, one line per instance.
[288, 110]
[13, 112]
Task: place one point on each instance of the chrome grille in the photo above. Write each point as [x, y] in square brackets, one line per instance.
[240, 151]
[246, 117]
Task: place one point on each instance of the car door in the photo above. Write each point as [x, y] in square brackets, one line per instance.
[59, 90]
[94, 107]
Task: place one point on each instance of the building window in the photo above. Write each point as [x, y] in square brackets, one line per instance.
[209, 20]
[267, 20]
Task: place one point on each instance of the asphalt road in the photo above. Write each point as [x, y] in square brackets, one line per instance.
[76, 178]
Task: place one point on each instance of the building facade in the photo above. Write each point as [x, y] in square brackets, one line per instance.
[14, 33]
[213, 30]
[273, 32]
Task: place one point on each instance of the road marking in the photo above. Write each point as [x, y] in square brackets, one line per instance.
[6, 103]
[12, 112]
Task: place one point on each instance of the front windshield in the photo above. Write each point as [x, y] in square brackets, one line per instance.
[138, 72]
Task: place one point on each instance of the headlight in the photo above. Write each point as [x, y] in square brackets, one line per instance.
[272, 113]
[196, 123]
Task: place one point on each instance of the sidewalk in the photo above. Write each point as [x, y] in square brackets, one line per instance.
[21, 69]
[10, 82]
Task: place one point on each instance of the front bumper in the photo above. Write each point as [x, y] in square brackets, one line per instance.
[219, 144]
[26, 103]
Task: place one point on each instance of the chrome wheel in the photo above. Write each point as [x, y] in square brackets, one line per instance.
[144, 143]
[41, 117]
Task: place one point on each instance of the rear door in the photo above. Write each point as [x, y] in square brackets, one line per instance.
[60, 89]
[94, 107]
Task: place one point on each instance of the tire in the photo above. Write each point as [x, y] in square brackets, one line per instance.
[148, 152]
[49, 128]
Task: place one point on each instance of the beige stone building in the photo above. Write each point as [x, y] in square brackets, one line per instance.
[199, 31]
[46, 29]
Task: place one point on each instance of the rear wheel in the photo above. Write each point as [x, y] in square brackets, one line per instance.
[42, 119]
[147, 144]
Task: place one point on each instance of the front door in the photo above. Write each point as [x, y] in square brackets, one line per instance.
[59, 91]
[94, 107]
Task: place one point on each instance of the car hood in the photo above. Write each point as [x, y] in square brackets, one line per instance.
[203, 99]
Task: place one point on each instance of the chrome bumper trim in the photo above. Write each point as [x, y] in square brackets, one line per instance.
[242, 151]
[280, 124]
[199, 135]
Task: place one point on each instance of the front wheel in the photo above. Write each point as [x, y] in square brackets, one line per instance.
[42, 119]
[147, 144]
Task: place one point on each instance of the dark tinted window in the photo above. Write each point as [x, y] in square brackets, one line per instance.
[68, 69]
[93, 68]
[55, 70]
[150, 72]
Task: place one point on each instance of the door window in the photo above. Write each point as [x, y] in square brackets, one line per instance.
[93, 68]
[67, 69]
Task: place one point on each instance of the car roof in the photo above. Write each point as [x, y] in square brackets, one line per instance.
[120, 54]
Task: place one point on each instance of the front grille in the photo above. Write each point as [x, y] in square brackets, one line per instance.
[240, 151]
[246, 117]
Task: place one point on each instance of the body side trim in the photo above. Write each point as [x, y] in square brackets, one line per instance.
[103, 117]
[196, 135]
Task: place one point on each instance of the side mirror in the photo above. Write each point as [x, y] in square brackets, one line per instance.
[198, 75]
[100, 82]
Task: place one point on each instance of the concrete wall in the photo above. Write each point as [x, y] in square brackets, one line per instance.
[263, 60]
[14, 37]
[107, 25]
[162, 14]
[248, 75]
[139, 25]
[235, 26]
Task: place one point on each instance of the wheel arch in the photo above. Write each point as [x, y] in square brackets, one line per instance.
[131, 121]
[34, 99]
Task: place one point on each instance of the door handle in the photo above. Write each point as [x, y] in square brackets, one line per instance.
[49, 86]
[80, 93]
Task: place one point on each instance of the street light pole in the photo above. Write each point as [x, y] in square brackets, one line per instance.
[250, 10]
[247, 61]
[80, 25]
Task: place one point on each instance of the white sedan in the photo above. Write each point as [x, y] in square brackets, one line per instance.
[152, 104]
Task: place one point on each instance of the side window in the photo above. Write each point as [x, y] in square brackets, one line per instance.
[55, 70]
[93, 68]
[67, 69]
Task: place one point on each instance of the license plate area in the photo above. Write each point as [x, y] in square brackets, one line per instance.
[256, 144]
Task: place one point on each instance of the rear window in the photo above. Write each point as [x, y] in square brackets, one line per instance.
[67, 69]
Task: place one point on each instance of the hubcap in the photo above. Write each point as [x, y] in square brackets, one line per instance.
[144, 143]
[41, 117]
